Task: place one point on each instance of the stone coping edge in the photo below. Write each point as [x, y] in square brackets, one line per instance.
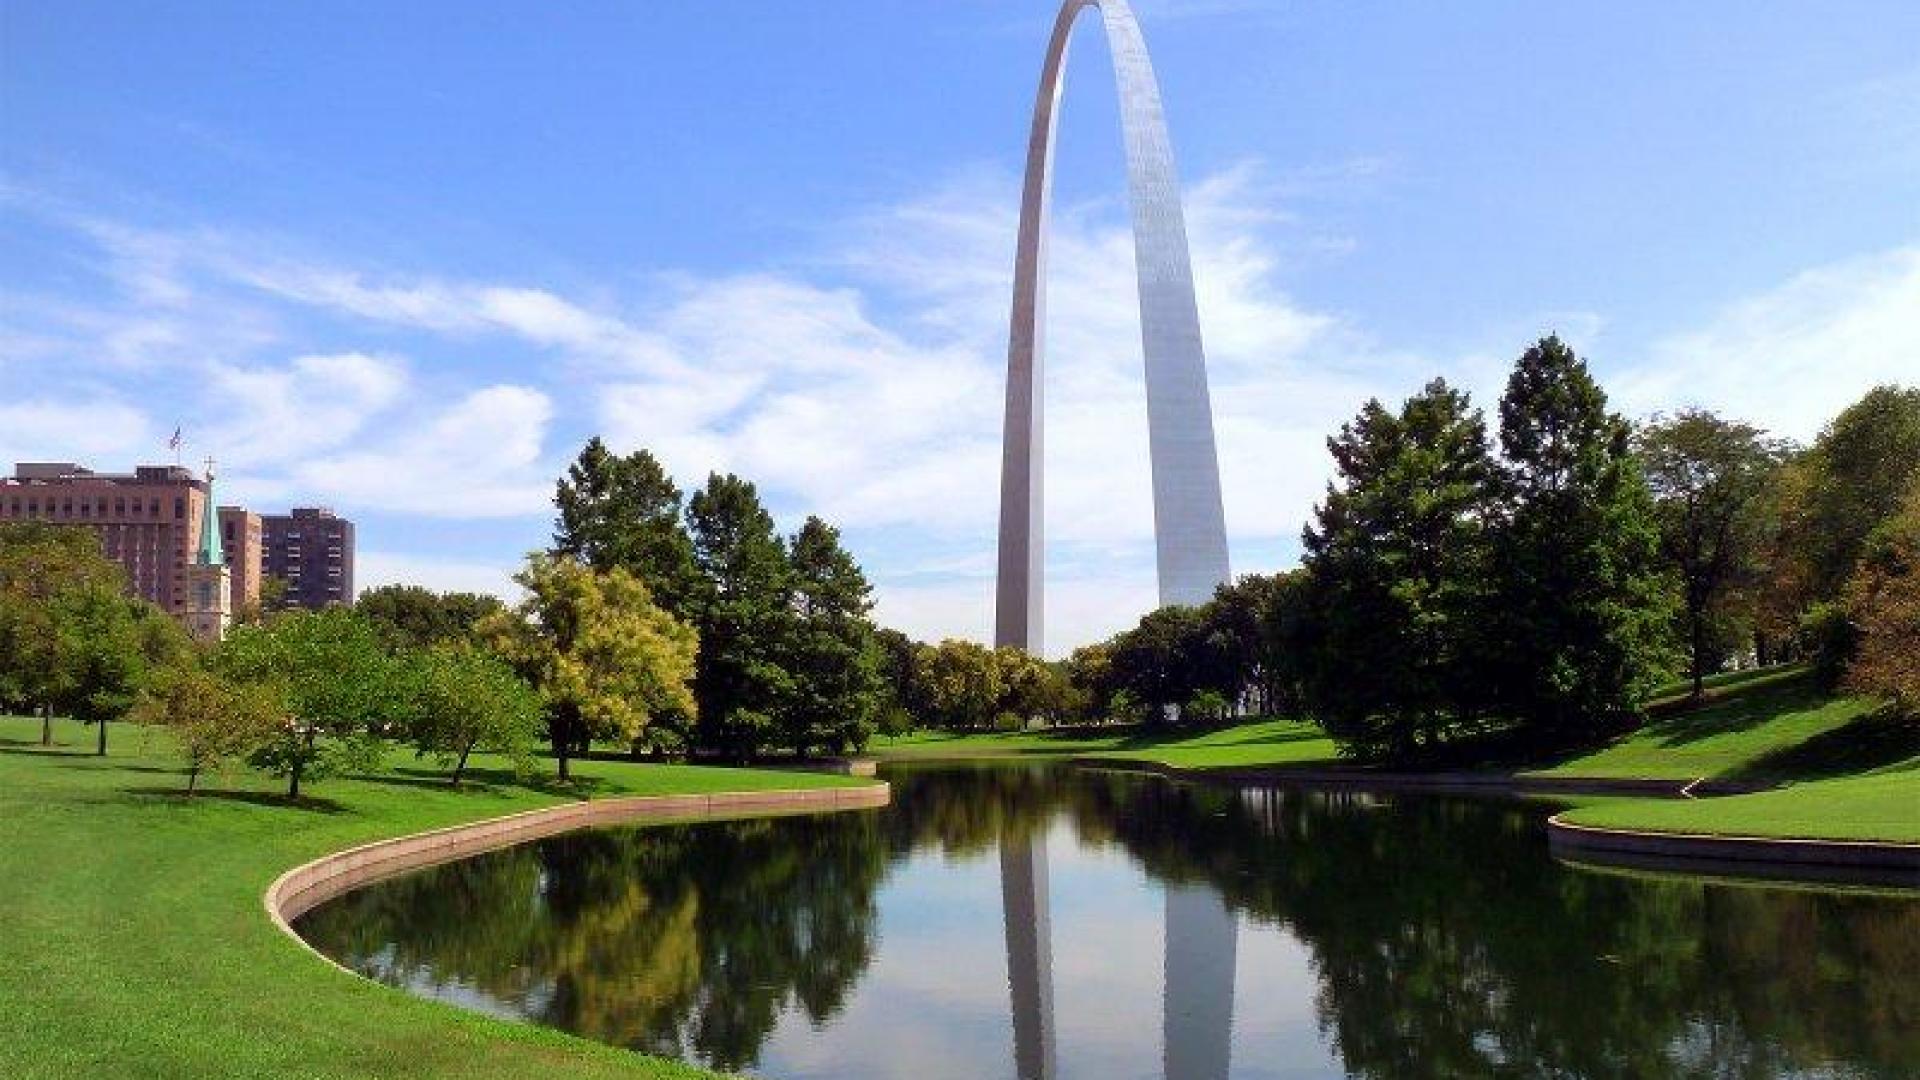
[309, 885]
[1493, 783]
[1856, 861]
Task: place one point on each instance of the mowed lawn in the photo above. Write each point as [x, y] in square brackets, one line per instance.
[1254, 744]
[1847, 769]
[1781, 728]
[135, 945]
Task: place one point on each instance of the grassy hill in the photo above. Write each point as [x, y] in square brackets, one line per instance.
[135, 943]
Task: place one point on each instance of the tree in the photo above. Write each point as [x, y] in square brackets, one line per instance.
[904, 697]
[1398, 555]
[745, 615]
[1165, 660]
[607, 660]
[963, 682]
[109, 644]
[1709, 478]
[43, 569]
[1884, 600]
[336, 685]
[833, 658]
[1862, 465]
[1089, 673]
[412, 617]
[213, 720]
[624, 512]
[1582, 607]
[463, 699]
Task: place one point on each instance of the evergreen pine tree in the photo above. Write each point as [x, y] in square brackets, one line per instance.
[624, 513]
[833, 656]
[1582, 608]
[745, 616]
[1397, 560]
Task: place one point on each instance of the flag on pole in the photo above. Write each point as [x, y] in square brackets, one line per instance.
[174, 443]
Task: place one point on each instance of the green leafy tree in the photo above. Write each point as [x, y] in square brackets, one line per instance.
[413, 617]
[109, 644]
[1884, 600]
[1583, 607]
[214, 721]
[904, 698]
[963, 682]
[745, 615]
[1709, 479]
[1089, 674]
[608, 661]
[1398, 556]
[1861, 467]
[462, 699]
[1167, 659]
[43, 569]
[336, 686]
[624, 512]
[833, 657]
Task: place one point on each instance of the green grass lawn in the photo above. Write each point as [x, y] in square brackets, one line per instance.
[134, 941]
[1253, 744]
[1776, 729]
[1881, 804]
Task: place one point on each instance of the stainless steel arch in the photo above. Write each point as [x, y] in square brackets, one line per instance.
[1190, 535]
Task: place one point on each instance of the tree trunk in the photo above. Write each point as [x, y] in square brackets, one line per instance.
[1697, 632]
[562, 745]
[293, 781]
[102, 750]
[46, 724]
[193, 777]
[460, 766]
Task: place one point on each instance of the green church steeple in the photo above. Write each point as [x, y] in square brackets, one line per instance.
[210, 553]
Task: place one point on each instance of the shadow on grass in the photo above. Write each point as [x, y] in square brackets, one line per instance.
[488, 780]
[1741, 713]
[34, 749]
[1877, 743]
[256, 798]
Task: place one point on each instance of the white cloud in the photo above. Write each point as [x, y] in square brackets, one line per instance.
[479, 457]
[270, 416]
[1791, 358]
[86, 432]
[377, 567]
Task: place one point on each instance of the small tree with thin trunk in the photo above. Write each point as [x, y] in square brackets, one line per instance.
[213, 721]
[338, 687]
[462, 700]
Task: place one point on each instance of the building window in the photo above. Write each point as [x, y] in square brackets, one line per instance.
[179, 508]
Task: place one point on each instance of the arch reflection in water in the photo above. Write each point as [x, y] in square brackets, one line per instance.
[1379, 937]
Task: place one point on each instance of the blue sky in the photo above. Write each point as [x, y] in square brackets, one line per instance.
[403, 259]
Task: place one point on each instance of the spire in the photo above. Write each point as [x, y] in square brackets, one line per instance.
[209, 553]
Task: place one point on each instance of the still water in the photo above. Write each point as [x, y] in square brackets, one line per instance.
[1047, 922]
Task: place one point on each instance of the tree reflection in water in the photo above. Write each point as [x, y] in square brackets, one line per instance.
[1444, 941]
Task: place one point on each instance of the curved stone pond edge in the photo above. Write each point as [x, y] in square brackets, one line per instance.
[309, 885]
[1842, 862]
[1863, 862]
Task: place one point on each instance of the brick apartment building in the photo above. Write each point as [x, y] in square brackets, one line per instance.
[160, 524]
[311, 550]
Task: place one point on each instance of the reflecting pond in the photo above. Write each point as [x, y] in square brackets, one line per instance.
[1050, 922]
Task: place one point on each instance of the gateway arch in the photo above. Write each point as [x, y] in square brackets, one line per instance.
[1190, 536]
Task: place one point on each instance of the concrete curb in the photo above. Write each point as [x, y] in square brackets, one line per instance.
[1492, 783]
[309, 885]
[1846, 861]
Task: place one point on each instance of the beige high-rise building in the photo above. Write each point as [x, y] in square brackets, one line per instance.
[240, 537]
[157, 521]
